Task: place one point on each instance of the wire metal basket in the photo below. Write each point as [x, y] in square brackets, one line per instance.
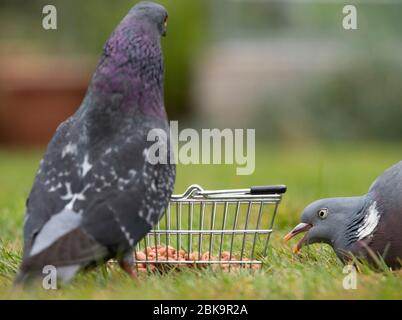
[217, 228]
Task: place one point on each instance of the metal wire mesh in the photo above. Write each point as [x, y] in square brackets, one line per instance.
[213, 228]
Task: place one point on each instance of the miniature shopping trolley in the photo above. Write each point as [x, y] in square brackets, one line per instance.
[226, 229]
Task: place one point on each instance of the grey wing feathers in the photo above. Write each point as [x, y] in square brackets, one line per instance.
[75, 248]
[119, 199]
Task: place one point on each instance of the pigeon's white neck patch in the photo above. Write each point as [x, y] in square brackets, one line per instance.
[370, 222]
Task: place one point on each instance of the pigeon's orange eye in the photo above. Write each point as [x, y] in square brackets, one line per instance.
[323, 213]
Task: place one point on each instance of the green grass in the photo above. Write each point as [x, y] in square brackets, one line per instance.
[310, 172]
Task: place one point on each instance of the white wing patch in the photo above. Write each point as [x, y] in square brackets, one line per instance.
[58, 225]
[73, 197]
[86, 166]
[69, 195]
[71, 148]
[370, 222]
[55, 188]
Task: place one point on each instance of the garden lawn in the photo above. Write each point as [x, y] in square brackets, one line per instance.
[310, 172]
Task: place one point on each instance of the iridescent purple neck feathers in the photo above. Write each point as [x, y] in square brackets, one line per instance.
[129, 76]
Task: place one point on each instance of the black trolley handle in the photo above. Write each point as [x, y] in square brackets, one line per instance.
[275, 189]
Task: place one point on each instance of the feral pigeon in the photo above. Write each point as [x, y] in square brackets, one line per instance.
[368, 227]
[97, 191]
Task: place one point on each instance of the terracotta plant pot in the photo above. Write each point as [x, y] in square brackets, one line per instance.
[36, 95]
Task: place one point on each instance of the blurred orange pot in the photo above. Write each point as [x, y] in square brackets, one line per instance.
[36, 95]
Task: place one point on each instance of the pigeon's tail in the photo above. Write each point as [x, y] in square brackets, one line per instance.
[49, 276]
[62, 259]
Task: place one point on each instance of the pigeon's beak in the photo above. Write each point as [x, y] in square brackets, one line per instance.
[300, 228]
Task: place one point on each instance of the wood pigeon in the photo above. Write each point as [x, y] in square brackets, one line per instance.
[365, 227]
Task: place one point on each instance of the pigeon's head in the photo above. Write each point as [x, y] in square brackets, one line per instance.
[328, 221]
[151, 13]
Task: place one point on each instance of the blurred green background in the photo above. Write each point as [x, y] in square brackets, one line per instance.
[286, 68]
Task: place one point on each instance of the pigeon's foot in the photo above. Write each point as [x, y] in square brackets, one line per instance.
[127, 264]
